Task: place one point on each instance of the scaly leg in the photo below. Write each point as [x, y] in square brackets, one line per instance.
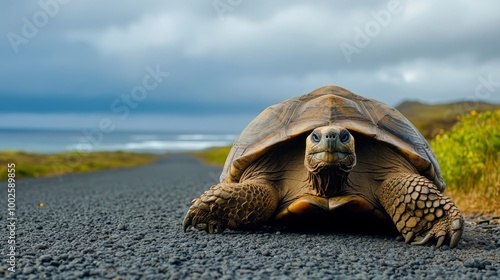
[419, 209]
[232, 205]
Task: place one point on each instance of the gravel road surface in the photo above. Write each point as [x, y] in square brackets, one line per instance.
[126, 224]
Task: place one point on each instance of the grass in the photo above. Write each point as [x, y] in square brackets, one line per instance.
[483, 198]
[42, 165]
[469, 156]
[215, 156]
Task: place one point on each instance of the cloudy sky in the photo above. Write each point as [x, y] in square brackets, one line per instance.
[213, 65]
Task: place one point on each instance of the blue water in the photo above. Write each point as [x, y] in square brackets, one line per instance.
[41, 141]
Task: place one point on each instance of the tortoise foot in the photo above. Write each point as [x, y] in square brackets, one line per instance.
[234, 206]
[203, 215]
[421, 212]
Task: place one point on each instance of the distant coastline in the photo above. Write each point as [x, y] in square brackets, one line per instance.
[156, 142]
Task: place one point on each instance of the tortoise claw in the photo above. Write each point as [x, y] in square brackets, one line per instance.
[440, 241]
[458, 228]
[201, 226]
[214, 227]
[409, 237]
[194, 221]
[200, 217]
[455, 237]
[186, 223]
[457, 224]
[210, 229]
[423, 240]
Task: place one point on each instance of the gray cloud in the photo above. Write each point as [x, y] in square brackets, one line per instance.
[90, 53]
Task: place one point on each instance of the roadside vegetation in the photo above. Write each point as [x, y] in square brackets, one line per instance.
[469, 156]
[215, 156]
[41, 165]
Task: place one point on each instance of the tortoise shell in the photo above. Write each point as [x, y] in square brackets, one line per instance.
[330, 105]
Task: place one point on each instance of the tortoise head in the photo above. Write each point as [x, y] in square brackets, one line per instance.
[330, 148]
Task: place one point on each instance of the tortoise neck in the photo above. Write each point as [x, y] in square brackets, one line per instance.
[328, 183]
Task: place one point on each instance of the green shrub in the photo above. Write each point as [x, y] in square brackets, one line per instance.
[469, 154]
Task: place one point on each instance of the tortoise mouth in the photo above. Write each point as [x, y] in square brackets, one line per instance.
[331, 157]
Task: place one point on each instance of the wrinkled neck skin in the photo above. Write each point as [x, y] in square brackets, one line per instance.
[328, 182]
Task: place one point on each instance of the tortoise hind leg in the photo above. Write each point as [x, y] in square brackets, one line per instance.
[420, 210]
[232, 205]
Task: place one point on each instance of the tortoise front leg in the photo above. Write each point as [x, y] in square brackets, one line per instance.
[232, 205]
[419, 209]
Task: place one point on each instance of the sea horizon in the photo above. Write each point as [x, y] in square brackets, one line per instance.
[48, 141]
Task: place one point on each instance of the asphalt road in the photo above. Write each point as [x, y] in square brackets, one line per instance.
[126, 224]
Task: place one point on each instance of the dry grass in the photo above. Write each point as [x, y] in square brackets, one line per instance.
[43, 165]
[481, 196]
[215, 156]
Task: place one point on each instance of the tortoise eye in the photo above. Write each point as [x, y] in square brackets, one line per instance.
[315, 137]
[344, 136]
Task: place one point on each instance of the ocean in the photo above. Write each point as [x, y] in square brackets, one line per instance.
[44, 141]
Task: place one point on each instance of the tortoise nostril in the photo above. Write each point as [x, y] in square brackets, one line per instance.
[331, 135]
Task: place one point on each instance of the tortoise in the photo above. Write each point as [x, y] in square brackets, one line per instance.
[326, 157]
